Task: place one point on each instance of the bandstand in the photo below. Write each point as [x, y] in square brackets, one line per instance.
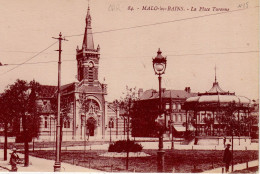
[218, 113]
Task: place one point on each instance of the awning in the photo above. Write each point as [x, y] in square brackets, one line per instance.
[180, 128]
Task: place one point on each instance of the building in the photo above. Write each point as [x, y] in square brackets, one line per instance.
[174, 115]
[85, 112]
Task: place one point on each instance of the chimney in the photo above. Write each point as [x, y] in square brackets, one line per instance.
[140, 92]
[153, 92]
[187, 89]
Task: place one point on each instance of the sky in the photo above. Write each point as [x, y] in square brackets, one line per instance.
[129, 35]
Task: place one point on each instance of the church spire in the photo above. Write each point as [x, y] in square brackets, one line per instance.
[88, 42]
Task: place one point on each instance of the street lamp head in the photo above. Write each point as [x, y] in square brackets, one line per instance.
[159, 63]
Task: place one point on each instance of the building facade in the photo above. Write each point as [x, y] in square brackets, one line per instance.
[174, 116]
[85, 113]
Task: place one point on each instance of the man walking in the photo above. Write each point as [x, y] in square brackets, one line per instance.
[227, 157]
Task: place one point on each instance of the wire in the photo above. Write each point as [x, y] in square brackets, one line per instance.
[138, 26]
[30, 52]
[29, 59]
[158, 23]
[198, 54]
[68, 60]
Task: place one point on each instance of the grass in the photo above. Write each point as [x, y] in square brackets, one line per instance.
[50, 144]
[179, 161]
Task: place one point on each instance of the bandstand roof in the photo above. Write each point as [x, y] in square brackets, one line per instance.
[216, 88]
[215, 97]
[219, 99]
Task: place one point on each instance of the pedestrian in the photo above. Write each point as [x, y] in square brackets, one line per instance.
[227, 157]
[224, 141]
[14, 160]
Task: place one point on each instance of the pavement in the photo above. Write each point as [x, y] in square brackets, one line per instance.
[44, 165]
[240, 166]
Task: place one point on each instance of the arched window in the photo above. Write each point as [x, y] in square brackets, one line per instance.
[68, 124]
[179, 106]
[173, 106]
[45, 122]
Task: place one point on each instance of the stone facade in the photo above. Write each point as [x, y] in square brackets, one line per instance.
[85, 114]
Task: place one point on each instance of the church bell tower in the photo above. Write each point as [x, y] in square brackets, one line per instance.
[88, 56]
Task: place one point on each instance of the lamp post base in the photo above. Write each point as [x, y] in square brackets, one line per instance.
[160, 161]
[57, 166]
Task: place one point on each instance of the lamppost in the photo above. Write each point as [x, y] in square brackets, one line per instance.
[159, 66]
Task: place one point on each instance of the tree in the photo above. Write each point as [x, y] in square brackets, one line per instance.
[6, 117]
[21, 98]
[126, 105]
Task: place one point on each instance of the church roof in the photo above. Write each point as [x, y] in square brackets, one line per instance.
[216, 88]
[47, 91]
[88, 42]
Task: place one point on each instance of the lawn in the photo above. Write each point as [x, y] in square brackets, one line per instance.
[39, 145]
[179, 161]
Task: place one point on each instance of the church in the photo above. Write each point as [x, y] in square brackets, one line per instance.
[85, 112]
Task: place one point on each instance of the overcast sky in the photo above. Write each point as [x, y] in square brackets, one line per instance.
[193, 41]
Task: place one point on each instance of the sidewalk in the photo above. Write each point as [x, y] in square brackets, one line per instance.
[41, 165]
[236, 167]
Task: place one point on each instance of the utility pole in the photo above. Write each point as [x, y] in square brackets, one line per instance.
[128, 140]
[57, 164]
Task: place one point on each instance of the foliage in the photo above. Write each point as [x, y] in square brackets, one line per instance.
[20, 103]
[122, 145]
[144, 119]
[235, 124]
[126, 105]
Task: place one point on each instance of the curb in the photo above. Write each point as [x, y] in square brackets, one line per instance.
[5, 168]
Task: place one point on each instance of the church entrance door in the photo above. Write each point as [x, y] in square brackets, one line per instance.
[91, 125]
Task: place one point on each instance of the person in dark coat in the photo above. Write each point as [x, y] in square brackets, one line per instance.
[227, 157]
[13, 160]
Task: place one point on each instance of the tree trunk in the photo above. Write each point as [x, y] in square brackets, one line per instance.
[5, 144]
[26, 143]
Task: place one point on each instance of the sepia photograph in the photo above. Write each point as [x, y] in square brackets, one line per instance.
[129, 86]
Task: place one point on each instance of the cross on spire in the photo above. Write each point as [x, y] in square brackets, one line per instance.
[215, 73]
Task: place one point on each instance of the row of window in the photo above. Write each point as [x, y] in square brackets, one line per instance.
[174, 106]
[66, 123]
[179, 118]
